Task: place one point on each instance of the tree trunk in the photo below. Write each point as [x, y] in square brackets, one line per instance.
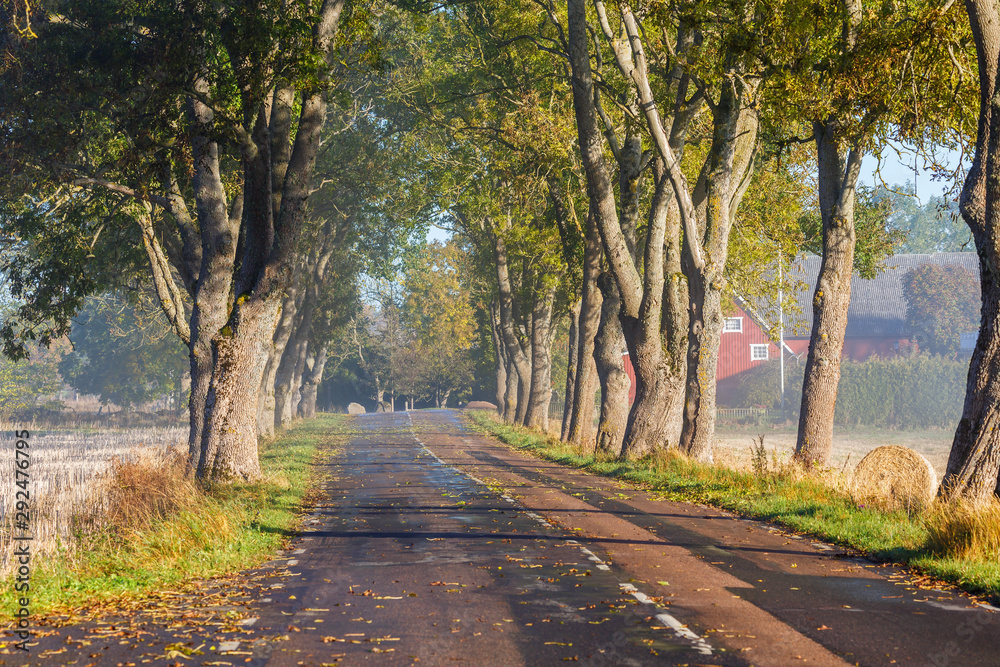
[311, 379]
[523, 396]
[288, 376]
[295, 395]
[201, 379]
[508, 331]
[540, 395]
[581, 426]
[608, 347]
[715, 200]
[572, 363]
[285, 377]
[501, 358]
[286, 325]
[240, 353]
[659, 376]
[509, 404]
[640, 292]
[838, 174]
[973, 471]
[704, 336]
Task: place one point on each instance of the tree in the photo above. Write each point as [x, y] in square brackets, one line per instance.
[876, 237]
[846, 84]
[440, 321]
[24, 383]
[936, 226]
[193, 129]
[942, 303]
[125, 352]
[668, 323]
[973, 471]
[15, 27]
[493, 173]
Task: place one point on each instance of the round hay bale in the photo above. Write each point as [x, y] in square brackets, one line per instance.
[480, 405]
[356, 409]
[894, 477]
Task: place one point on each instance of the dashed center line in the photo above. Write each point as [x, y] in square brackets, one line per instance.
[680, 630]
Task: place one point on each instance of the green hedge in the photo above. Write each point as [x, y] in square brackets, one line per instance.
[901, 392]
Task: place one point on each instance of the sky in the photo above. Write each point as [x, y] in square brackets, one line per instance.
[898, 169]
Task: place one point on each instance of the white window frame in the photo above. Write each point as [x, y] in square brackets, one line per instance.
[754, 347]
[725, 325]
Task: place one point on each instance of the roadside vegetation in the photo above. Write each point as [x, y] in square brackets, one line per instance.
[153, 528]
[951, 541]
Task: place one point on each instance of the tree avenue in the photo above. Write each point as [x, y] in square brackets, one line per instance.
[615, 177]
[199, 125]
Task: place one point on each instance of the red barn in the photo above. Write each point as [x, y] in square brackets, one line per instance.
[876, 320]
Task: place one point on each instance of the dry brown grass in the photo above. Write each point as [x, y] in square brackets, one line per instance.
[145, 488]
[965, 531]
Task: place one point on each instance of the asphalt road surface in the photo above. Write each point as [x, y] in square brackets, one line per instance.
[434, 545]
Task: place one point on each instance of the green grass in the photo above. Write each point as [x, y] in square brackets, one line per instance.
[214, 532]
[782, 495]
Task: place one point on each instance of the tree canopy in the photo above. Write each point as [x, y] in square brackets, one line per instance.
[942, 303]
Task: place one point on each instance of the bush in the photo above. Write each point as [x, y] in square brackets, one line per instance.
[921, 391]
[146, 489]
[759, 387]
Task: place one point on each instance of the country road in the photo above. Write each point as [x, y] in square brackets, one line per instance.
[432, 544]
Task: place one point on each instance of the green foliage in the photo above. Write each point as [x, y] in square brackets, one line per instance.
[55, 260]
[919, 391]
[902, 392]
[124, 352]
[440, 321]
[767, 232]
[97, 134]
[877, 240]
[23, 383]
[936, 226]
[760, 387]
[942, 303]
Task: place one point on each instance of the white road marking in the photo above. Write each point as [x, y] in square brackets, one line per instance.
[228, 646]
[684, 632]
[247, 621]
[680, 630]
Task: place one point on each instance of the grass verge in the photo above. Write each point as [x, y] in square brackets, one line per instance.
[956, 544]
[158, 530]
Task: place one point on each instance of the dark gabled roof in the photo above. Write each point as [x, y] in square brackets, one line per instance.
[878, 307]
